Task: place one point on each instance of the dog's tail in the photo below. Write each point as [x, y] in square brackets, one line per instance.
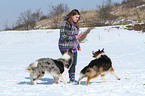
[31, 66]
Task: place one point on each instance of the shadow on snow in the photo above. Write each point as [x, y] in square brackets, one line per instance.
[44, 81]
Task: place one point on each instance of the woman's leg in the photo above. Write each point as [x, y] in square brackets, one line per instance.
[73, 68]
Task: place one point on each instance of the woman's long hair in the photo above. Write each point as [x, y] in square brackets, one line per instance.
[70, 20]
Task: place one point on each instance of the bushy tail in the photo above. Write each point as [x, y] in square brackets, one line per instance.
[31, 67]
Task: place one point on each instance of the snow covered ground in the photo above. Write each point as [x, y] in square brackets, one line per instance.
[125, 48]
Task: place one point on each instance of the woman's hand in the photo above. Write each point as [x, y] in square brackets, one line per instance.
[79, 49]
[77, 37]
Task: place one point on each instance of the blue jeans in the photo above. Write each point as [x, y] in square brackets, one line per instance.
[73, 66]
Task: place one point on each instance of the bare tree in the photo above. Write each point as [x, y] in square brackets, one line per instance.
[24, 18]
[132, 3]
[28, 19]
[56, 12]
[37, 15]
[58, 9]
[6, 26]
[105, 12]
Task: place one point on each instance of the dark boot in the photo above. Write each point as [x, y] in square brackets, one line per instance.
[72, 78]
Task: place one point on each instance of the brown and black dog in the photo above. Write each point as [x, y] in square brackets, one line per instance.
[99, 66]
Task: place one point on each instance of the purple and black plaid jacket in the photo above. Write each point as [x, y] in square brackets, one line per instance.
[67, 38]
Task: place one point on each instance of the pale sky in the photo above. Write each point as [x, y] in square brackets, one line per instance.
[10, 9]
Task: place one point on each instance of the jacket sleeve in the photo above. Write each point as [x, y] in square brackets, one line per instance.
[64, 32]
[78, 46]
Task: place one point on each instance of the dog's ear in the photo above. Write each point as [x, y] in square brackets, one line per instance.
[103, 50]
[93, 52]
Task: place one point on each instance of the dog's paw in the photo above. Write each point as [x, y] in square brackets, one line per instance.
[78, 82]
[55, 82]
[34, 82]
[118, 78]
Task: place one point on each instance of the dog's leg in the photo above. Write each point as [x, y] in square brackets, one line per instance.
[31, 77]
[55, 79]
[65, 71]
[103, 77]
[63, 76]
[89, 78]
[95, 76]
[113, 72]
[38, 77]
[63, 79]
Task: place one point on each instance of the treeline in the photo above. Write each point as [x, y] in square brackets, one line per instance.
[105, 10]
[28, 19]
[103, 15]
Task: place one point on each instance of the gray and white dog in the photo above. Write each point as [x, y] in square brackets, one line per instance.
[56, 67]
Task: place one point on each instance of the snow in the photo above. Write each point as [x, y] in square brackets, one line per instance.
[20, 48]
[141, 6]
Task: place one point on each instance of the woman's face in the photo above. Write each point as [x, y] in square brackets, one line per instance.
[75, 18]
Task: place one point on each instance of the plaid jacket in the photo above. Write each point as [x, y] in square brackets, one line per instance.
[67, 38]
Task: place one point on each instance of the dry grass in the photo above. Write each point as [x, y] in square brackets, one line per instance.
[87, 18]
[91, 18]
[134, 14]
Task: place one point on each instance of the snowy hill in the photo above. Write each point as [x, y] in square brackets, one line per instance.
[125, 48]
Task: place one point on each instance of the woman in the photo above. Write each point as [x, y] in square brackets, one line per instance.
[69, 30]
